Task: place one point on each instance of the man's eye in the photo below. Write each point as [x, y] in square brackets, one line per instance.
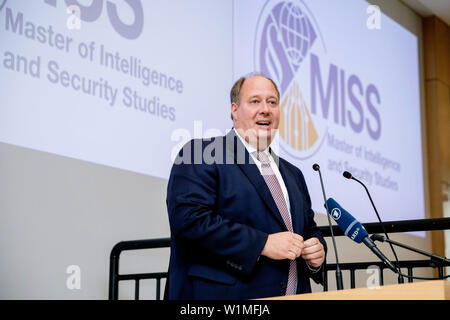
[254, 101]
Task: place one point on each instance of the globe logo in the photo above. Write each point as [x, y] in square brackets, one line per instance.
[297, 32]
[336, 213]
[284, 39]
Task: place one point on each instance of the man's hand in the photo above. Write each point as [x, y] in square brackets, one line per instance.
[283, 245]
[313, 252]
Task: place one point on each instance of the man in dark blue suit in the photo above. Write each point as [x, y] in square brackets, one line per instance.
[241, 221]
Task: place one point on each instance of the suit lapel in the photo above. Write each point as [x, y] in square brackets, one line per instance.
[291, 185]
[245, 162]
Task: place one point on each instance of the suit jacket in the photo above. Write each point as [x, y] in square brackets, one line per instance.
[221, 213]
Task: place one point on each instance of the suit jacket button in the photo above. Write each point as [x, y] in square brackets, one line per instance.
[283, 285]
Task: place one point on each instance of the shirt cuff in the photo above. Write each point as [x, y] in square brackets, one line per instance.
[312, 269]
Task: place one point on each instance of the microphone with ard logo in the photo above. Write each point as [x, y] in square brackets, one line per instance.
[353, 229]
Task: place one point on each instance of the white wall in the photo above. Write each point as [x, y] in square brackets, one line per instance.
[57, 212]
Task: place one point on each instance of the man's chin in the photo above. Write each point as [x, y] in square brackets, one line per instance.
[265, 137]
[266, 132]
[258, 137]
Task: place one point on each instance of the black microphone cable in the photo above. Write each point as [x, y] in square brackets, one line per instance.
[348, 175]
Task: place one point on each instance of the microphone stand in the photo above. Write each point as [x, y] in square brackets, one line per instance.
[339, 283]
[434, 257]
[348, 175]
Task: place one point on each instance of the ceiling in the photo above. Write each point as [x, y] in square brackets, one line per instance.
[440, 8]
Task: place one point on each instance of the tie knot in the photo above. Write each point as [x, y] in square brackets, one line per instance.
[261, 156]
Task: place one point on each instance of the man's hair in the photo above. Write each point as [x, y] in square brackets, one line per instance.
[236, 89]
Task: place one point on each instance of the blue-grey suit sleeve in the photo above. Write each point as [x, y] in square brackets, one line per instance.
[312, 231]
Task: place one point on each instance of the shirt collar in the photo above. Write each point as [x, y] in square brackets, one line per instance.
[248, 146]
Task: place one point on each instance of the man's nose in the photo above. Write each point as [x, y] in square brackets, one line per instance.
[265, 108]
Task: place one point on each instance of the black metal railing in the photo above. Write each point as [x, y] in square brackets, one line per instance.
[390, 227]
[115, 277]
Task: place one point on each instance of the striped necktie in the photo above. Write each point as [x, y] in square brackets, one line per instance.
[277, 195]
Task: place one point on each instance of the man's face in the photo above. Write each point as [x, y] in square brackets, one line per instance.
[257, 116]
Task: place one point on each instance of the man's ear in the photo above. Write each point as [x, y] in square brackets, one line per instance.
[234, 107]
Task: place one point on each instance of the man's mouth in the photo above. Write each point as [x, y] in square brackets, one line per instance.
[263, 123]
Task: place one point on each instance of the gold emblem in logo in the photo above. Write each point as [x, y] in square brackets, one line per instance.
[296, 126]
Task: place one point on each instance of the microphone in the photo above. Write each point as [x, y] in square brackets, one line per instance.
[378, 237]
[348, 175]
[353, 229]
[339, 284]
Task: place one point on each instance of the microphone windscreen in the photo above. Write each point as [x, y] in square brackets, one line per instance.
[351, 227]
[347, 174]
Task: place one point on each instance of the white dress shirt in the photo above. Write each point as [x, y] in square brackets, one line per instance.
[277, 173]
[273, 165]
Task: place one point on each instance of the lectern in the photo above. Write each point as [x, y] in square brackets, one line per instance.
[424, 290]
